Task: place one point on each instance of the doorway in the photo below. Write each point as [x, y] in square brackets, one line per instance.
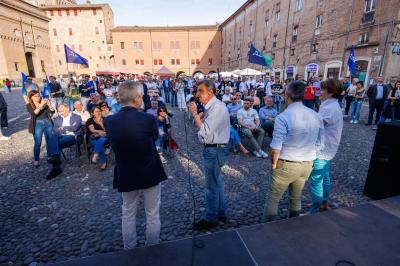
[29, 62]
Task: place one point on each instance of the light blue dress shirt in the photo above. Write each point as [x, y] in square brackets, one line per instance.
[266, 112]
[297, 132]
[379, 92]
[215, 124]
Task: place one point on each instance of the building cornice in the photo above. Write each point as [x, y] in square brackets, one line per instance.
[83, 6]
[166, 28]
[240, 9]
[29, 12]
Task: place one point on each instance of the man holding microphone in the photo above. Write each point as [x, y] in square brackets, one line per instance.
[214, 135]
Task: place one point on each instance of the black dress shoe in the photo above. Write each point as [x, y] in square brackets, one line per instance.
[53, 173]
[368, 124]
[223, 219]
[204, 225]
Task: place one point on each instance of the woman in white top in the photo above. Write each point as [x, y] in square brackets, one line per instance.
[180, 91]
[332, 116]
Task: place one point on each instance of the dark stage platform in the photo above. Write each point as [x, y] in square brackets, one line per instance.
[367, 234]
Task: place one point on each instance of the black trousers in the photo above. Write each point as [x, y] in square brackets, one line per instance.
[348, 99]
[4, 119]
[375, 106]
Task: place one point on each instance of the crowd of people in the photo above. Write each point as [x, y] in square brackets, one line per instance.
[130, 117]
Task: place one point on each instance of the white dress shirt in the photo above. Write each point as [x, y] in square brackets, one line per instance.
[297, 133]
[332, 117]
[215, 127]
[67, 123]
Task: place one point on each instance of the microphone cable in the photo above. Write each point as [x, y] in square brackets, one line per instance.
[195, 243]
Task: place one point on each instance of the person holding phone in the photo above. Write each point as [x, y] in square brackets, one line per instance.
[41, 124]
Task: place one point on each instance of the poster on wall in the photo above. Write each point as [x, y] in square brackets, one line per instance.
[311, 70]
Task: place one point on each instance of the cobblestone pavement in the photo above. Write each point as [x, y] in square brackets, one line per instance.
[79, 214]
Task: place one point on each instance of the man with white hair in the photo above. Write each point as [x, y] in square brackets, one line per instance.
[79, 110]
[138, 167]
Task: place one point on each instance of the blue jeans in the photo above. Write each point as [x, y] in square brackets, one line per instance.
[320, 184]
[56, 101]
[45, 127]
[234, 136]
[98, 147]
[174, 99]
[309, 103]
[65, 141]
[355, 109]
[278, 102]
[214, 159]
[392, 113]
[167, 96]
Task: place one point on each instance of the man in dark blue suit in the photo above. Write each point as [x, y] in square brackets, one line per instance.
[138, 168]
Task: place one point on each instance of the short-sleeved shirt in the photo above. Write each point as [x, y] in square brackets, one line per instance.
[248, 117]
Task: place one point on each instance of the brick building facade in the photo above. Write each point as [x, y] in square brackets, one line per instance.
[24, 41]
[86, 29]
[310, 37]
[186, 49]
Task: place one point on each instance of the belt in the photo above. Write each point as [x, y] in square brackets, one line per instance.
[215, 145]
[293, 161]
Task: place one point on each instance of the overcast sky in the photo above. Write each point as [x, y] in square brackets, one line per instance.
[170, 12]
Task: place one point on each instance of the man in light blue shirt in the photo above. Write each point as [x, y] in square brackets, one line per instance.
[294, 148]
[267, 115]
[214, 133]
[233, 108]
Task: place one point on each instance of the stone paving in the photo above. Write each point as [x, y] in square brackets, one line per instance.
[79, 214]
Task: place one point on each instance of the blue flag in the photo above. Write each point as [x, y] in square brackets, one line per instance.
[46, 89]
[257, 57]
[352, 62]
[73, 57]
[24, 80]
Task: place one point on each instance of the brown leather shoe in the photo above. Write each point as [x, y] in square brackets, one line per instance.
[324, 206]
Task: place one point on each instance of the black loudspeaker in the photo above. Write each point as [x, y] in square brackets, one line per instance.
[383, 180]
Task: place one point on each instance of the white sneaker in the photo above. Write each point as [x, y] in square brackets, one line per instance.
[351, 121]
[4, 138]
[355, 121]
[257, 154]
[263, 154]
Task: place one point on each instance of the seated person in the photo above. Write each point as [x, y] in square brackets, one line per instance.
[267, 115]
[234, 138]
[153, 110]
[105, 110]
[97, 137]
[233, 108]
[94, 101]
[78, 109]
[250, 122]
[115, 104]
[256, 100]
[66, 125]
[164, 137]
[226, 98]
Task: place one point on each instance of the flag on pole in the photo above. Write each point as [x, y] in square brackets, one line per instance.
[352, 62]
[46, 89]
[257, 57]
[72, 57]
[24, 80]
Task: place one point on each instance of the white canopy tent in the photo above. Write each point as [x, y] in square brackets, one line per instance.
[236, 71]
[250, 72]
[227, 74]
